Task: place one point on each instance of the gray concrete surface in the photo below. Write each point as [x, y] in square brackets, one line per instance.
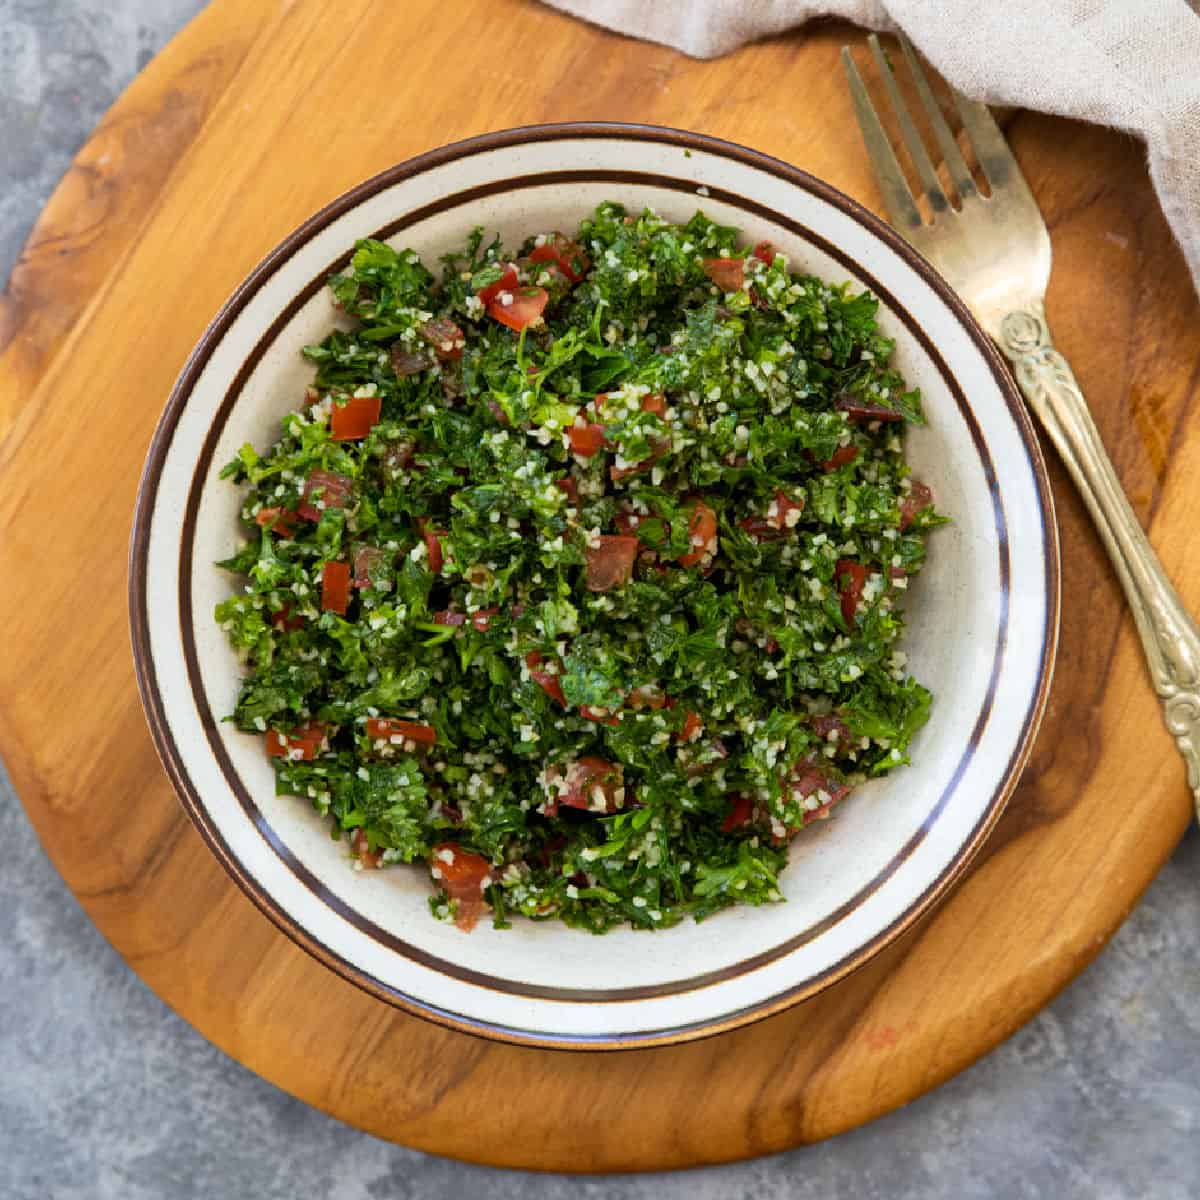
[106, 1094]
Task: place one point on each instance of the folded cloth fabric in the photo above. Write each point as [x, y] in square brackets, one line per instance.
[1133, 64]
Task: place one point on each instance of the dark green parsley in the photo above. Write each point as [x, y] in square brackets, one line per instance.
[577, 574]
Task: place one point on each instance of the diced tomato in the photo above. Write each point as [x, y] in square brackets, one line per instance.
[741, 810]
[354, 419]
[508, 282]
[806, 780]
[655, 403]
[610, 563]
[702, 534]
[775, 522]
[282, 619]
[303, 743]
[781, 508]
[692, 727]
[649, 696]
[525, 307]
[568, 485]
[602, 716]
[616, 474]
[433, 545]
[824, 725]
[627, 522]
[367, 559]
[547, 681]
[445, 337]
[335, 587]
[850, 578]
[919, 498]
[765, 253]
[361, 846]
[278, 520]
[590, 783]
[843, 456]
[482, 620]
[859, 412]
[586, 440]
[447, 617]
[324, 490]
[727, 273]
[386, 728]
[463, 876]
[569, 256]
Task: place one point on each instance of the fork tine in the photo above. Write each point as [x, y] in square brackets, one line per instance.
[897, 198]
[991, 146]
[912, 139]
[951, 154]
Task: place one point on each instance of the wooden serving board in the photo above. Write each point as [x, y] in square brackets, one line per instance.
[259, 113]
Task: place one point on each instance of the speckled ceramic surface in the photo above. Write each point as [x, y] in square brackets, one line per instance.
[982, 617]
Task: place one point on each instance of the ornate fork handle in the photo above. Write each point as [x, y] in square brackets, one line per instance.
[1169, 636]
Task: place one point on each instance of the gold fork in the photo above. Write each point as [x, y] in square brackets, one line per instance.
[995, 252]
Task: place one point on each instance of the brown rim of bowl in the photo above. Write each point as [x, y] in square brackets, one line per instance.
[144, 666]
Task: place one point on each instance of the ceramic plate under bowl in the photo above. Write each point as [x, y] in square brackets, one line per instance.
[982, 616]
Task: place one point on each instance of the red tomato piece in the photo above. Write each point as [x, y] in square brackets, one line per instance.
[741, 811]
[335, 587]
[366, 559]
[590, 783]
[303, 744]
[859, 412]
[807, 780]
[568, 485]
[649, 696]
[447, 617]
[525, 307]
[727, 273]
[354, 419]
[433, 545]
[463, 876]
[776, 521]
[850, 577]
[823, 726]
[282, 619]
[843, 456]
[655, 403]
[610, 564]
[919, 498]
[586, 440]
[692, 727]
[386, 728]
[324, 490]
[546, 680]
[508, 282]
[627, 522]
[361, 846]
[482, 620]
[602, 716]
[569, 256]
[702, 534]
[278, 520]
[765, 253]
[445, 337]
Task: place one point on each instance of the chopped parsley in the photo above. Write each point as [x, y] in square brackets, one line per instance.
[576, 576]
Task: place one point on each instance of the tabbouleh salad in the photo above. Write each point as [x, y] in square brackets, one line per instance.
[576, 575]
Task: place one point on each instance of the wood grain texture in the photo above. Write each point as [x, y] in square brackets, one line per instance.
[258, 114]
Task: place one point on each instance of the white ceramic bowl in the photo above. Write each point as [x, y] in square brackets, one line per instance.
[983, 616]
